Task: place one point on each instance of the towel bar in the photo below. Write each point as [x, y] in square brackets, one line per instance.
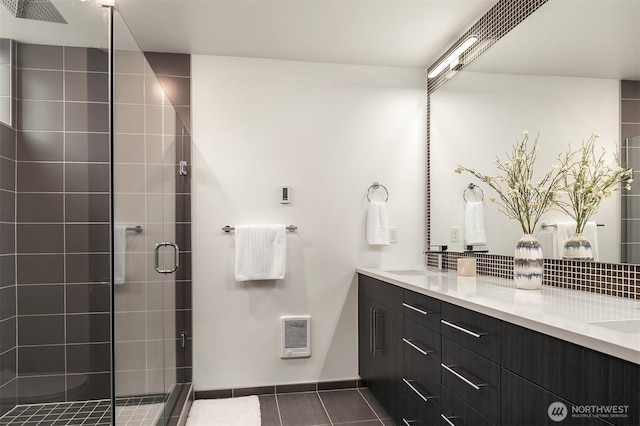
[553, 225]
[228, 228]
[138, 229]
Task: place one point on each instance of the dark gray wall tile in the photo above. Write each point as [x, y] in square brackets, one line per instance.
[7, 142]
[7, 206]
[7, 302]
[84, 298]
[8, 367]
[41, 360]
[630, 89]
[8, 396]
[8, 333]
[41, 299]
[29, 386]
[86, 207]
[40, 85]
[40, 115]
[184, 271]
[183, 208]
[7, 174]
[7, 238]
[7, 271]
[40, 269]
[38, 56]
[630, 111]
[93, 386]
[40, 177]
[86, 268]
[183, 236]
[35, 207]
[87, 147]
[184, 295]
[86, 87]
[40, 238]
[178, 89]
[87, 177]
[41, 330]
[88, 358]
[86, 117]
[169, 63]
[630, 130]
[83, 238]
[40, 207]
[89, 328]
[40, 146]
[5, 51]
[86, 59]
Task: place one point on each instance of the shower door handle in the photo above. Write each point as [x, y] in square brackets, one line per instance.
[156, 253]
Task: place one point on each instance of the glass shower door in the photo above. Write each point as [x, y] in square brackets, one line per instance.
[146, 256]
[630, 249]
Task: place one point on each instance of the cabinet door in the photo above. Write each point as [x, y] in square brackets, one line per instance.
[380, 352]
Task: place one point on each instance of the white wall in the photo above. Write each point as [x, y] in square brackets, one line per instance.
[328, 131]
[476, 117]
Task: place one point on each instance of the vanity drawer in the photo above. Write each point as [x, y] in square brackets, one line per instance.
[421, 390]
[475, 331]
[475, 379]
[422, 309]
[454, 412]
[386, 294]
[413, 416]
[422, 346]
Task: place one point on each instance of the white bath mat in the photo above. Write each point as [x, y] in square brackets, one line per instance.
[244, 411]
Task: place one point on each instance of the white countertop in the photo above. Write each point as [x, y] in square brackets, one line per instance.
[565, 314]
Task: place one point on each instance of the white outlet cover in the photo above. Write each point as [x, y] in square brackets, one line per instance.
[393, 235]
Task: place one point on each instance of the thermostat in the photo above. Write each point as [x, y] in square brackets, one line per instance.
[285, 195]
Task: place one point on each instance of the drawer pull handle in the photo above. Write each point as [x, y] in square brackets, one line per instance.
[424, 398]
[416, 347]
[464, 330]
[413, 308]
[446, 419]
[461, 377]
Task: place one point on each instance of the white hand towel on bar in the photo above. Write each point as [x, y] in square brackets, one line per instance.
[564, 231]
[591, 234]
[261, 252]
[120, 253]
[474, 231]
[378, 224]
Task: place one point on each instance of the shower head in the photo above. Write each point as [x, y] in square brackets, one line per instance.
[40, 10]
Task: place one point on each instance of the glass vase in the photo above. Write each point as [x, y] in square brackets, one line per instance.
[528, 264]
[577, 248]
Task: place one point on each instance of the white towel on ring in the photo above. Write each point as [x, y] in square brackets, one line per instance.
[378, 224]
[261, 252]
[474, 231]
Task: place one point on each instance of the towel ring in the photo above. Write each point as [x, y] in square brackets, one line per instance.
[374, 186]
[472, 186]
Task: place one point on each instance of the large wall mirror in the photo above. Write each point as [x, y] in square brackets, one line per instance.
[557, 74]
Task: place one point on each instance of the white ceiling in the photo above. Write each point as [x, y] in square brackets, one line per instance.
[389, 32]
[582, 38]
[384, 32]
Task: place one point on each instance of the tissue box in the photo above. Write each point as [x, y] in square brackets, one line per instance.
[466, 266]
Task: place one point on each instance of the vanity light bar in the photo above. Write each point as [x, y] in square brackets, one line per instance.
[453, 56]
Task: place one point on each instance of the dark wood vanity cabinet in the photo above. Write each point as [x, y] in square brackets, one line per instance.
[380, 329]
[434, 363]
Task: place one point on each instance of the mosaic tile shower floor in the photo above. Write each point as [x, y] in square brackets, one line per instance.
[129, 412]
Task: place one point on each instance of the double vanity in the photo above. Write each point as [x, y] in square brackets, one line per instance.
[438, 349]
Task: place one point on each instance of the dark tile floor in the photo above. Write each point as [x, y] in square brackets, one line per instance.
[348, 407]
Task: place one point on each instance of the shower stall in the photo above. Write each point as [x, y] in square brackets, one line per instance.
[95, 290]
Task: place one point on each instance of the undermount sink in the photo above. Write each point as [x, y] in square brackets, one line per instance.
[626, 326]
[412, 272]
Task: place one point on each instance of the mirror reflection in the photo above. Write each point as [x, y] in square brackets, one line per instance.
[562, 86]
